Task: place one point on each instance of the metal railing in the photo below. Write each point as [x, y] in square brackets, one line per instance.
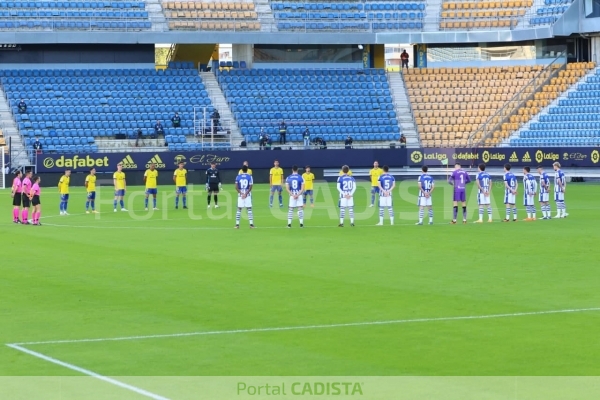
[512, 106]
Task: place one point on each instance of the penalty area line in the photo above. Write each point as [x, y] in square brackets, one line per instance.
[313, 327]
[88, 372]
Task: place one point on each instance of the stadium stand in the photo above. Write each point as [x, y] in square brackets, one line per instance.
[70, 108]
[219, 15]
[332, 103]
[452, 103]
[573, 121]
[466, 15]
[71, 15]
[349, 15]
[551, 12]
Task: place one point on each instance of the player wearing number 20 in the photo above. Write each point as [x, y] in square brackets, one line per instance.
[294, 185]
[426, 187]
[386, 184]
[529, 190]
[243, 185]
[346, 186]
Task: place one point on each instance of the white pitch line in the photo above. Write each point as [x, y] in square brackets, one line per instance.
[307, 327]
[88, 372]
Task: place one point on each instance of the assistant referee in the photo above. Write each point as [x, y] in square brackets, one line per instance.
[213, 183]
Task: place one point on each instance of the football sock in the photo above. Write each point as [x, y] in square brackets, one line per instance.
[154, 202]
[61, 205]
[391, 212]
[508, 213]
[280, 199]
[15, 214]
[480, 213]
[184, 201]
[115, 204]
[122, 203]
[301, 215]
[351, 215]
[238, 215]
[290, 215]
[65, 207]
[490, 212]
[312, 200]
[271, 199]
[304, 200]
[464, 212]
[176, 201]
[430, 215]
[421, 214]
[373, 198]
[24, 215]
[250, 216]
[37, 217]
[93, 204]
[87, 205]
[342, 215]
[455, 213]
[381, 211]
[146, 202]
[208, 199]
[514, 213]
[216, 198]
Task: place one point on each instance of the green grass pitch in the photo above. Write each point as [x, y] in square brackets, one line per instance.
[178, 271]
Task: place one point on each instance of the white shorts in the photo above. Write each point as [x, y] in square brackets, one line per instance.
[509, 198]
[344, 202]
[385, 201]
[424, 201]
[559, 196]
[483, 200]
[244, 203]
[528, 200]
[299, 202]
[544, 197]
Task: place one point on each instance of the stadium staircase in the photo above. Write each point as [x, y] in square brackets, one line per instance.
[432, 8]
[157, 16]
[265, 16]
[569, 120]
[406, 120]
[220, 103]
[11, 133]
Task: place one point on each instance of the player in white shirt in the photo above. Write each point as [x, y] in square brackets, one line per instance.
[544, 197]
[386, 183]
[560, 186]
[346, 186]
[529, 190]
[243, 185]
[294, 184]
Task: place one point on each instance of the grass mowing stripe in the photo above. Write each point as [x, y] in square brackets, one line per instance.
[328, 326]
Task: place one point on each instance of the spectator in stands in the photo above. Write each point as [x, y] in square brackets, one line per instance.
[282, 132]
[404, 58]
[402, 140]
[22, 107]
[348, 142]
[138, 137]
[321, 143]
[268, 142]
[158, 129]
[262, 139]
[176, 120]
[306, 138]
[215, 120]
[37, 146]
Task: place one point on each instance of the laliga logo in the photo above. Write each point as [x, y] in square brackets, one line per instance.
[539, 156]
[595, 156]
[416, 156]
[485, 156]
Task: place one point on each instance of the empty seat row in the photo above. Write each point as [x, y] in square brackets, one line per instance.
[201, 5]
[574, 134]
[357, 136]
[457, 5]
[75, 14]
[71, 149]
[52, 24]
[214, 26]
[109, 75]
[78, 141]
[72, 4]
[335, 15]
[211, 15]
[317, 105]
[570, 117]
[289, 72]
[398, 6]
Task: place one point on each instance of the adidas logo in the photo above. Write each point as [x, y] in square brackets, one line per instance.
[128, 163]
[157, 161]
[526, 157]
[513, 157]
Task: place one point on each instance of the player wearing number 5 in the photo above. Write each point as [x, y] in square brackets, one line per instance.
[243, 185]
[346, 186]
[294, 184]
[459, 180]
[386, 184]
[426, 187]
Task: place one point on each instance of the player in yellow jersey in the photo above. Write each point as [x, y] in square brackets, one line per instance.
[150, 179]
[375, 173]
[120, 187]
[180, 179]
[245, 164]
[309, 179]
[90, 187]
[276, 183]
[63, 189]
[349, 172]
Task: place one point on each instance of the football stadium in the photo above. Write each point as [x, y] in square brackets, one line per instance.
[265, 199]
